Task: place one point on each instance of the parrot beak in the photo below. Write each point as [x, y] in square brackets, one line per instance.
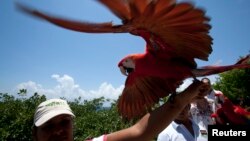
[123, 70]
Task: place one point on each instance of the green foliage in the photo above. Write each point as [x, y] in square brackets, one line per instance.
[92, 119]
[235, 84]
[17, 117]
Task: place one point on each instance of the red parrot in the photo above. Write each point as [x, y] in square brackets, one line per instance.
[175, 34]
[232, 114]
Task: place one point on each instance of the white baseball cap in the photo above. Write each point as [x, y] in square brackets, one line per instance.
[50, 109]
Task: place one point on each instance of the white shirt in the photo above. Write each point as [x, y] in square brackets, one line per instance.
[178, 132]
[202, 118]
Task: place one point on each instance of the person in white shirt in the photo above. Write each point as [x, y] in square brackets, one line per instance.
[202, 109]
[214, 97]
[183, 128]
[201, 112]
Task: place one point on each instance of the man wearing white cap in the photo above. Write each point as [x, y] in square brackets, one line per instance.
[53, 119]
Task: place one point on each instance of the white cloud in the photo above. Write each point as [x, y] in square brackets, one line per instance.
[67, 88]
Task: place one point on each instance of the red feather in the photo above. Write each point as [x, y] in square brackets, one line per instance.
[175, 33]
[232, 114]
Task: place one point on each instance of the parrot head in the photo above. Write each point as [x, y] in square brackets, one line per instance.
[127, 65]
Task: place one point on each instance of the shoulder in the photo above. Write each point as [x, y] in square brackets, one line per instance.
[166, 133]
[163, 137]
[170, 129]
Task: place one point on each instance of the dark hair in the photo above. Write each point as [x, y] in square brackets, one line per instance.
[205, 79]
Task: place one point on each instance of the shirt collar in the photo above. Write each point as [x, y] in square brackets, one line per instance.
[176, 125]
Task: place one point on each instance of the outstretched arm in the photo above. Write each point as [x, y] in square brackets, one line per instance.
[154, 122]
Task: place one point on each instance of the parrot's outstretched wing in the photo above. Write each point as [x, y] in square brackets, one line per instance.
[143, 93]
[84, 26]
[134, 104]
[180, 26]
[210, 70]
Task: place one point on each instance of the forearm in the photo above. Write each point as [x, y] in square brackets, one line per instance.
[163, 116]
[153, 123]
[156, 121]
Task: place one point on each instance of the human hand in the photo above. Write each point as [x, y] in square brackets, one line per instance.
[196, 90]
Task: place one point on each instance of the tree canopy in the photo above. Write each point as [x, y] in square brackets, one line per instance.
[235, 84]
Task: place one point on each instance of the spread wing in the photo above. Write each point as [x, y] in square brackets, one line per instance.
[180, 26]
[140, 96]
[80, 26]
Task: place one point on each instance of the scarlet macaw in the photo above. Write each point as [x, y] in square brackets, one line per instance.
[231, 114]
[175, 35]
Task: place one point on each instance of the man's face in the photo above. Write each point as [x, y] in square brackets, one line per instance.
[59, 128]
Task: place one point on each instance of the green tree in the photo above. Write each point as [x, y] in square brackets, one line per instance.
[16, 118]
[92, 119]
[235, 84]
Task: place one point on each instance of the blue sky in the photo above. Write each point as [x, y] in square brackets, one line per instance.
[44, 58]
